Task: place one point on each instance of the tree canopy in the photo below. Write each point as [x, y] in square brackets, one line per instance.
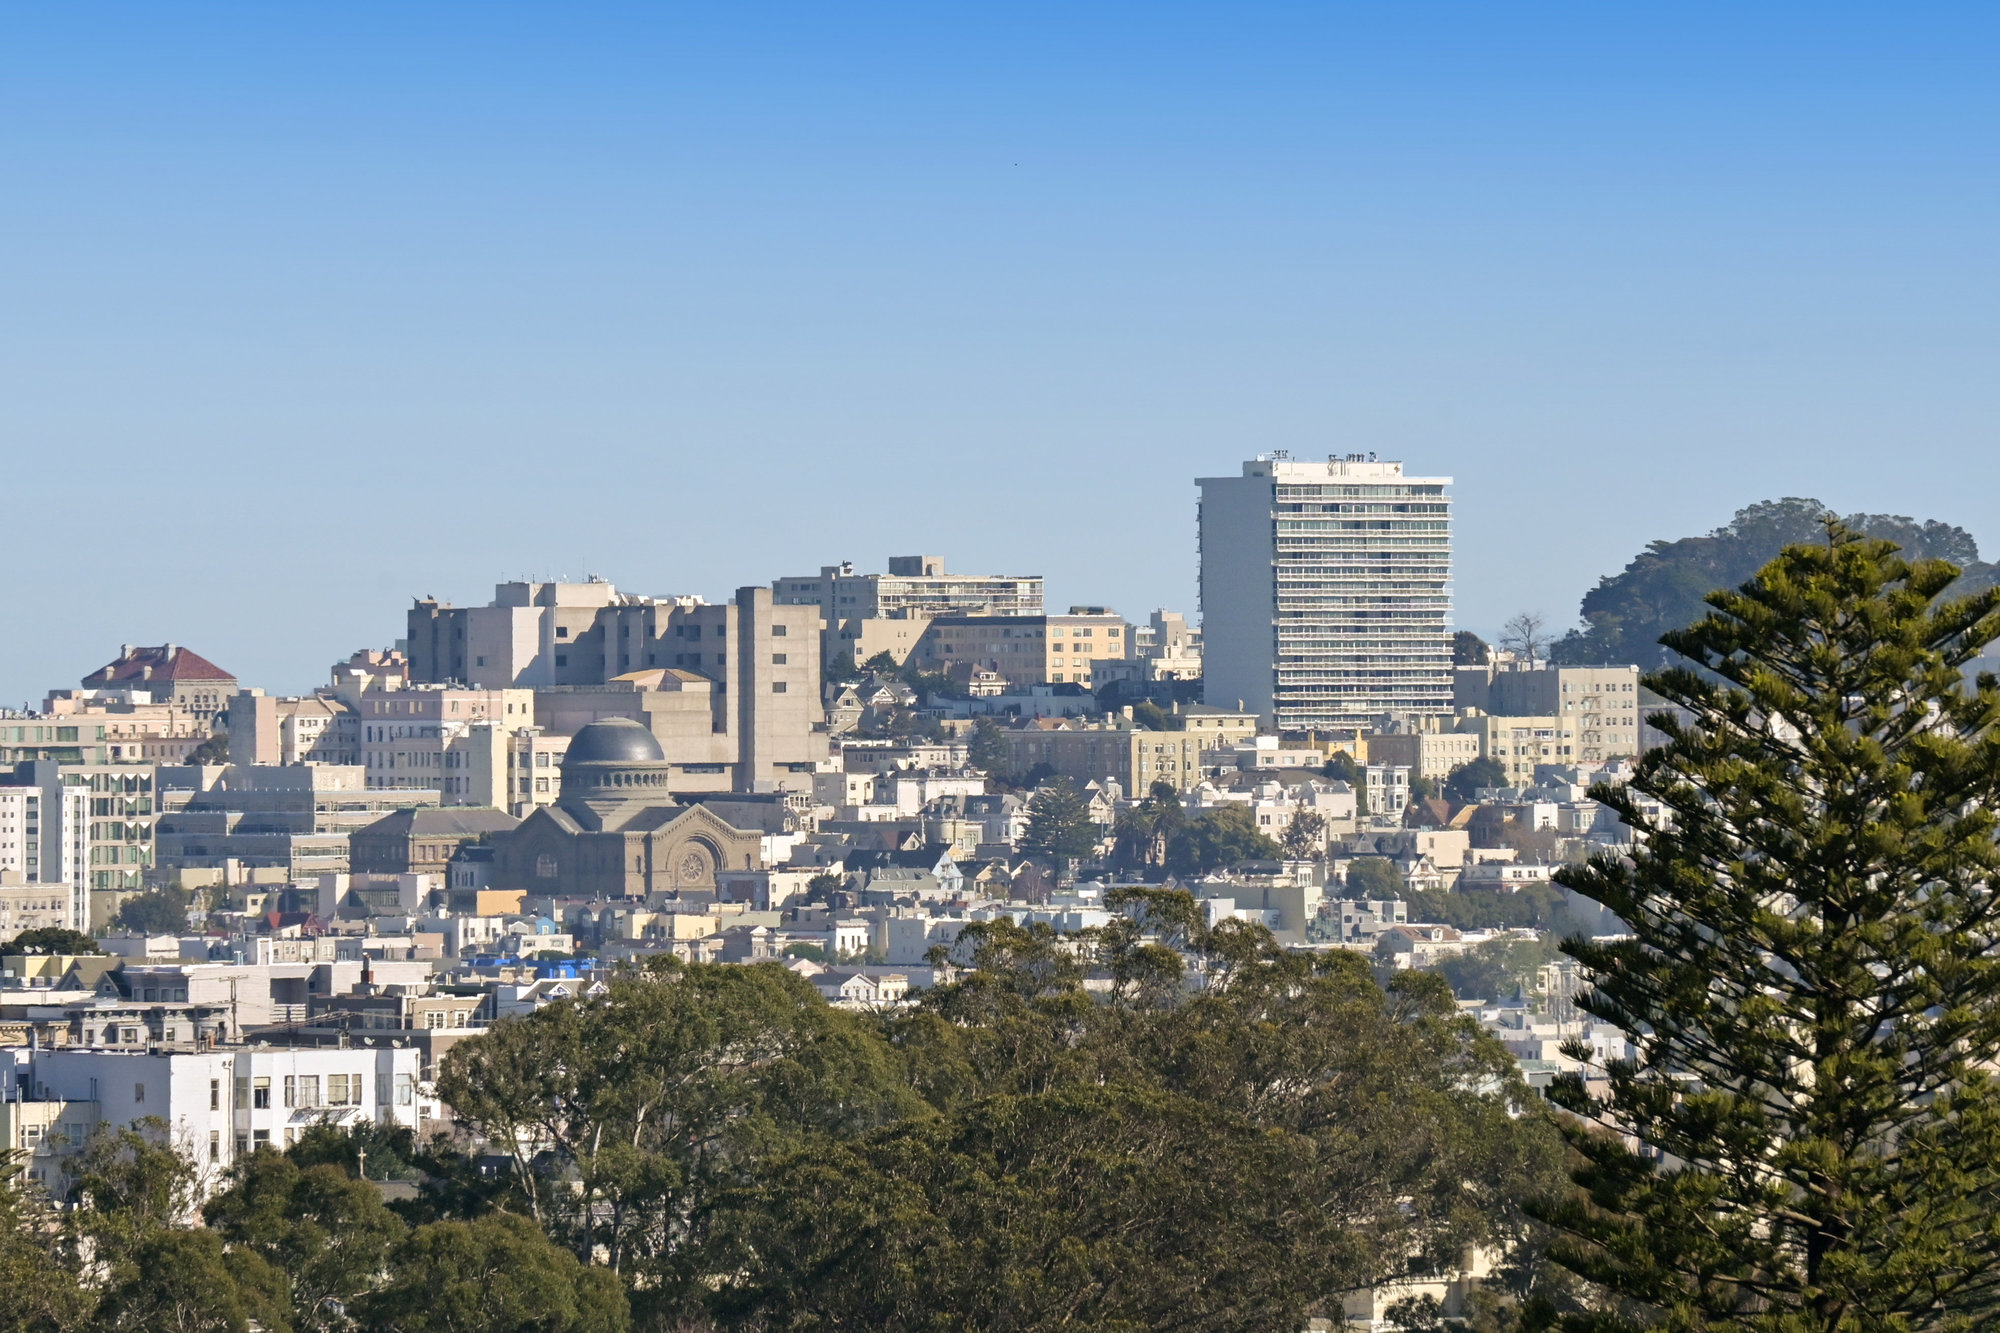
[1463, 783]
[1664, 586]
[155, 912]
[49, 940]
[1059, 821]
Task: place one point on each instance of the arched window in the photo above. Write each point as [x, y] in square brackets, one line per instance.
[545, 866]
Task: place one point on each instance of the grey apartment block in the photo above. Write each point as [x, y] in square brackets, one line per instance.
[1326, 591]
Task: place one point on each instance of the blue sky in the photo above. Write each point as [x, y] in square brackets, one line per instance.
[308, 309]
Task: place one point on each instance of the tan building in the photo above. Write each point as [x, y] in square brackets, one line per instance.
[731, 692]
[168, 673]
[1599, 703]
[1520, 743]
[422, 841]
[410, 738]
[1132, 756]
[311, 729]
[1215, 725]
[294, 820]
[914, 585]
[1027, 650]
[1427, 754]
[134, 726]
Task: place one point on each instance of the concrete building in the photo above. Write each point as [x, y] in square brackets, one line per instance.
[296, 820]
[26, 906]
[1427, 754]
[731, 692]
[863, 615]
[916, 585]
[1132, 756]
[168, 673]
[411, 739]
[411, 842]
[1600, 704]
[1518, 744]
[1325, 591]
[133, 725]
[1027, 650]
[313, 729]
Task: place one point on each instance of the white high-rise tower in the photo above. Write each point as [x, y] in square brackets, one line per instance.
[1326, 591]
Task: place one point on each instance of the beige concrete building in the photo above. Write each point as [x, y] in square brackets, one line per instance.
[1132, 756]
[869, 614]
[864, 640]
[422, 842]
[1520, 743]
[1027, 650]
[1600, 704]
[1427, 754]
[311, 729]
[731, 692]
[132, 726]
[413, 739]
[914, 585]
[294, 820]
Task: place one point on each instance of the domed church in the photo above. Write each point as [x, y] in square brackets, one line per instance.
[616, 830]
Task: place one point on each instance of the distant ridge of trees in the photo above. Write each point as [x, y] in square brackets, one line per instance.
[1663, 588]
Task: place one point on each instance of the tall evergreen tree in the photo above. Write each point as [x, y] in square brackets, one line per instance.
[1811, 977]
[1059, 821]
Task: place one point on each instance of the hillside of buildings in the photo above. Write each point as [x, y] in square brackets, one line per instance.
[868, 951]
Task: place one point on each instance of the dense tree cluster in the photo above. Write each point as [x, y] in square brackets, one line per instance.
[1665, 586]
[1157, 837]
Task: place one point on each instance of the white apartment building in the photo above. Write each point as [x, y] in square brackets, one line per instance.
[1326, 591]
[414, 739]
[45, 852]
[218, 1105]
[915, 585]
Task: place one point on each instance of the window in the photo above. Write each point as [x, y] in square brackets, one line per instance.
[406, 1089]
[777, 659]
[337, 1090]
[138, 1092]
[562, 659]
[562, 631]
[242, 1094]
[778, 631]
[260, 1138]
[214, 1096]
[545, 864]
[291, 1092]
[777, 687]
[214, 1145]
[260, 1095]
[308, 1090]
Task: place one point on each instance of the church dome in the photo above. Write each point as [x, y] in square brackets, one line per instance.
[614, 740]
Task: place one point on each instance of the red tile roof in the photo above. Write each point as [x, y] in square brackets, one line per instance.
[166, 661]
